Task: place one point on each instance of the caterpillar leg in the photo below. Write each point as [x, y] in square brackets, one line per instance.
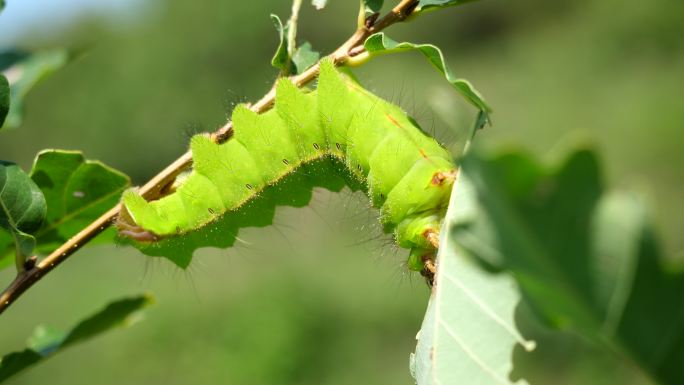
[421, 235]
[432, 236]
[423, 260]
[429, 271]
[429, 268]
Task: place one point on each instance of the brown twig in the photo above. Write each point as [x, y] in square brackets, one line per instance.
[151, 189]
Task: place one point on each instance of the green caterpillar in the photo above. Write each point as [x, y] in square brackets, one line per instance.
[371, 144]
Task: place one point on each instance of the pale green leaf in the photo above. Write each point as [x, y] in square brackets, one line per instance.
[469, 330]
[304, 57]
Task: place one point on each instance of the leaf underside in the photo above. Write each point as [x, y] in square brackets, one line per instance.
[469, 329]
[585, 261]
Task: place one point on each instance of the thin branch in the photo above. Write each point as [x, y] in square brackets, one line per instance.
[151, 190]
[292, 33]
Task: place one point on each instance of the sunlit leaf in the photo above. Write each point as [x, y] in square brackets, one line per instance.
[46, 342]
[77, 192]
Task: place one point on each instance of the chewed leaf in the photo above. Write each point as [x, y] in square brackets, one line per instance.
[469, 329]
[24, 71]
[46, 341]
[77, 191]
[379, 44]
[22, 208]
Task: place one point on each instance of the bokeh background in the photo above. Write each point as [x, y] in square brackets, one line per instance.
[321, 297]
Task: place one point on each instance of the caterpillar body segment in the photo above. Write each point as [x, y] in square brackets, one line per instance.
[405, 172]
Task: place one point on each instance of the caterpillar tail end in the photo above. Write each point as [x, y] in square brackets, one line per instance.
[126, 223]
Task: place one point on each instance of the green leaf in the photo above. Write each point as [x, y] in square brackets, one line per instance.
[46, 342]
[77, 192]
[4, 99]
[24, 71]
[304, 57]
[585, 261]
[379, 44]
[22, 208]
[469, 330]
[372, 6]
[424, 5]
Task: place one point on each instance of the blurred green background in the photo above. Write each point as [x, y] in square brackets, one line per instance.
[321, 297]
